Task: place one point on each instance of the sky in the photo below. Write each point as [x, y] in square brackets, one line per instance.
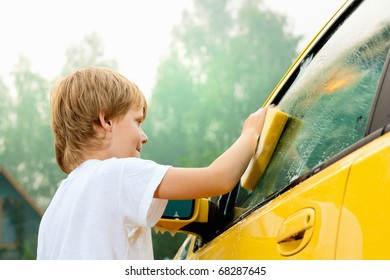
[135, 33]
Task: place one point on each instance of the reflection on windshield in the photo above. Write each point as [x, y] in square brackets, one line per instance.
[330, 100]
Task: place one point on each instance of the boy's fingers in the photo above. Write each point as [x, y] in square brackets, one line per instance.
[262, 110]
[265, 108]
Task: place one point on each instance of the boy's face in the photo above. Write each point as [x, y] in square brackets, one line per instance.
[127, 134]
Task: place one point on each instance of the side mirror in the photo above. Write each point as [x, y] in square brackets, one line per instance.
[180, 213]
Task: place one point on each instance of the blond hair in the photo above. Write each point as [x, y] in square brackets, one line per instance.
[76, 102]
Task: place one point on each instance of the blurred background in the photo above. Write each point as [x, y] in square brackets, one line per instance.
[204, 66]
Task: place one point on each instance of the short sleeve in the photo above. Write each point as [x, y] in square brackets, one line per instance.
[139, 180]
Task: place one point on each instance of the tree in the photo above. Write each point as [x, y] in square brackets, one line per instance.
[5, 115]
[90, 52]
[27, 145]
[224, 60]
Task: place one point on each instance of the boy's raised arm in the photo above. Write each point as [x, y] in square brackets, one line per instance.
[222, 175]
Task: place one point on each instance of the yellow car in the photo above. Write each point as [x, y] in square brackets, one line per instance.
[325, 192]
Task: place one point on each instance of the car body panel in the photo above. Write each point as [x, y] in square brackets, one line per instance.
[364, 223]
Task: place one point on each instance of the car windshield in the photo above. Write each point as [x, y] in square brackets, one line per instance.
[330, 100]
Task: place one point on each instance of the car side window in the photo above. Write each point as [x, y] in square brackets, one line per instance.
[330, 99]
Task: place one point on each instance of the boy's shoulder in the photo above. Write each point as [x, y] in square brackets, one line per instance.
[117, 163]
[116, 168]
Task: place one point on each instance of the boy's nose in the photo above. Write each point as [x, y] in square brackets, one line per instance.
[144, 137]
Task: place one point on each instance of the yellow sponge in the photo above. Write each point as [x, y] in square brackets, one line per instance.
[272, 129]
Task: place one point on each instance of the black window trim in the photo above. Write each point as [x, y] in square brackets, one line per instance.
[380, 114]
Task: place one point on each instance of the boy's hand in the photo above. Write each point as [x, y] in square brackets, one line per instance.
[253, 125]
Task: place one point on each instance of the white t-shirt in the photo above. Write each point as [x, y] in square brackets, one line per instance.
[103, 210]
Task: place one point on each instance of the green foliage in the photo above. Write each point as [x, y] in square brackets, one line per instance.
[5, 115]
[89, 53]
[27, 152]
[225, 59]
[166, 245]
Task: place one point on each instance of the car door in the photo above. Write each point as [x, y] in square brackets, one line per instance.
[364, 221]
[295, 210]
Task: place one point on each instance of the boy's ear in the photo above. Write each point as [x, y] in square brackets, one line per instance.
[105, 124]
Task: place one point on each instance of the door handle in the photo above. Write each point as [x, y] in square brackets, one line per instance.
[295, 232]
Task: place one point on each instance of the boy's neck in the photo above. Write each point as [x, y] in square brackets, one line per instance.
[97, 154]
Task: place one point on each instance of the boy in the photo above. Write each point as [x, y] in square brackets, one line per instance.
[111, 198]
